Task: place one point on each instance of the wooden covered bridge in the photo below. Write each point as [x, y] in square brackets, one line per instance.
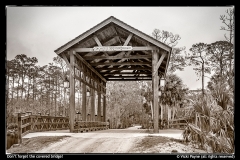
[112, 51]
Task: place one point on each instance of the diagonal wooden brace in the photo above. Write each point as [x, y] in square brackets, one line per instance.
[159, 63]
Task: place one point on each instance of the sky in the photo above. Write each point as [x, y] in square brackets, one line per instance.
[38, 31]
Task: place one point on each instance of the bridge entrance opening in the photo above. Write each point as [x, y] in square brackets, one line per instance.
[111, 51]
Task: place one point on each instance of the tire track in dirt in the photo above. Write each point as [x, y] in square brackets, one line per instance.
[105, 141]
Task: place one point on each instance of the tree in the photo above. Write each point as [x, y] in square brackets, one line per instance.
[228, 21]
[24, 64]
[217, 52]
[124, 101]
[199, 59]
[177, 61]
[172, 96]
[174, 91]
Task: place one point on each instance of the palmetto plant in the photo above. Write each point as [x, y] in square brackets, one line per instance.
[213, 127]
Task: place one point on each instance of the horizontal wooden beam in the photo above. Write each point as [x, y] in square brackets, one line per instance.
[114, 48]
[108, 43]
[89, 66]
[130, 79]
[121, 63]
[88, 74]
[127, 77]
[112, 73]
[123, 68]
[88, 84]
[118, 57]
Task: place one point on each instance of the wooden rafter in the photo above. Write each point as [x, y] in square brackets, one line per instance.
[130, 79]
[118, 56]
[110, 42]
[128, 76]
[89, 66]
[127, 73]
[124, 68]
[128, 40]
[99, 44]
[123, 63]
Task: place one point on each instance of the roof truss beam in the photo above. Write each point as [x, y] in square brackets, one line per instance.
[121, 63]
[115, 48]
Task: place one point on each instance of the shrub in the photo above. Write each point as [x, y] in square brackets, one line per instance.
[214, 127]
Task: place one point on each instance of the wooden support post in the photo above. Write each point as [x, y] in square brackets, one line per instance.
[19, 128]
[155, 58]
[104, 105]
[92, 104]
[84, 99]
[72, 93]
[99, 106]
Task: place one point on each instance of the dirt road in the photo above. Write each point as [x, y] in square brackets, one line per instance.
[105, 141]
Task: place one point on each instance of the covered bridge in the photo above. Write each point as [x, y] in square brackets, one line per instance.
[113, 51]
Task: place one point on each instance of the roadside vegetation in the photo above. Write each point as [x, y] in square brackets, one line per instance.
[30, 145]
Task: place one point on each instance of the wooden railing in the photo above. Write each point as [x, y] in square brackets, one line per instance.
[183, 116]
[86, 126]
[37, 123]
[28, 123]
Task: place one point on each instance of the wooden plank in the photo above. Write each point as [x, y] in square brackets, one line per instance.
[88, 74]
[89, 66]
[97, 40]
[142, 48]
[72, 94]
[118, 57]
[99, 43]
[25, 125]
[19, 128]
[84, 100]
[159, 63]
[155, 93]
[109, 73]
[66, 60]
[92, 104]
[177, 124]
[85, 82]
[104, 107]
[128, 77]
[128, 39]
[168, 59]
[121, 63]
[123, 68]
[112, 41]
[99, 107]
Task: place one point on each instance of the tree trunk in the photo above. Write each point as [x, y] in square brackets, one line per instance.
[41, 96]
[13, 87]
[28, 88]
[22, 87]
[33, 86]
[230, 39]
[7, 94]
[203, 78]
[18, 87]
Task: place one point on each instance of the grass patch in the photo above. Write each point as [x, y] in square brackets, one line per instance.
[30, 145]
[151, 141]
